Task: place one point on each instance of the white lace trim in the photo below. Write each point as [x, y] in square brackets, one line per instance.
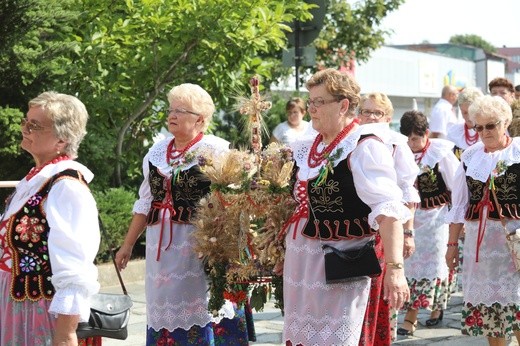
[328, 328]
[493, 279]
[480, 164]
[391, 209]
[435, 152]
[71, 300]
[301, 149]
[164, 315]
[208, 145]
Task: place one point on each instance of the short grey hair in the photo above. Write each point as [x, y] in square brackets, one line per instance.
[196, 97]
[469, 95]
[69, 118]
[491, 107]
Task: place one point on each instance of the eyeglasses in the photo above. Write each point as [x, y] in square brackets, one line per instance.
[181, 111]
[31, 126]
[376, 114]
[318, 102]
[480, 128]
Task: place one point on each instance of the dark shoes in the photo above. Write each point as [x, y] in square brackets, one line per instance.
[432, 322]
[406, 332]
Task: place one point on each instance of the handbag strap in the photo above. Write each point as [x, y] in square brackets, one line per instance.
[112, 255]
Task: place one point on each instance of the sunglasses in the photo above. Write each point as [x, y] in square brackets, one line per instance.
[480, 128]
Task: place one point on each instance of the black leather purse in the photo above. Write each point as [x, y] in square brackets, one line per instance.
[350, 265]
[109, 313]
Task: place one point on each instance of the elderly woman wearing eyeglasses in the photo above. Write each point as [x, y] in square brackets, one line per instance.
[428, 276]
[485, 200]
[375, 113]
[49, 233]
[347, 193]
[176, 286]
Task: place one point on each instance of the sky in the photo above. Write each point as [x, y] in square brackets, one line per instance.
[496, 21]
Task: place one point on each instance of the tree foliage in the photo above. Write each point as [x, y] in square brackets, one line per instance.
[351, 30]
[473, 40]
[120, 57]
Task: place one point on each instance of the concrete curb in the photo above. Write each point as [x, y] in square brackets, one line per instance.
[134, 271]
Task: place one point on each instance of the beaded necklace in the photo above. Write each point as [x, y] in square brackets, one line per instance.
[470, 140]
[174, 154]
[421, 153]
[36, 170]
[315, 158]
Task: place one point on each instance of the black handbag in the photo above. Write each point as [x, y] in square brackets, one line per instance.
[350, 265]
[109, 313]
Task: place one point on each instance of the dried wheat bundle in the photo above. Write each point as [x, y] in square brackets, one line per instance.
[229, 169]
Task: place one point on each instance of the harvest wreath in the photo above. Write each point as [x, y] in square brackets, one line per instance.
[238, 224]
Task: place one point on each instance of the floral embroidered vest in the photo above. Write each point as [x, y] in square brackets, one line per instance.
[335, 209]
[432, 189]
[27, 238]
[181, 195]
[506, 189]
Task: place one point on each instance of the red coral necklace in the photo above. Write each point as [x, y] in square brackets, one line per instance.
[36, 170]
[421, 153]
[315, 158]
[174, 154]
[470, 140]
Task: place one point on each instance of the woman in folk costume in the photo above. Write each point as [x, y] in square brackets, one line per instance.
[49, 236]
[463, 135]
[342, 203]
[486, 201]
[428, 276]
[176, 285]
[376, 112]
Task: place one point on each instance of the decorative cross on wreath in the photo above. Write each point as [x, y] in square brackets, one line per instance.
[254, 107]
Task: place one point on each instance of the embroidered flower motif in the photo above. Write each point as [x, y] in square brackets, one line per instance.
[499, 170]
[429, 170]
[30, 229]
[328, 166]
[34, 200]
[27, 264]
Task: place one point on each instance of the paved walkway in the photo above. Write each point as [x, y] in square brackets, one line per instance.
[269, 323]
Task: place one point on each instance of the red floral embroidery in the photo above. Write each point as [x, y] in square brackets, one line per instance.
[470, 320]
[517, 315]
[165, 339]
[29, 229]
[421, 302]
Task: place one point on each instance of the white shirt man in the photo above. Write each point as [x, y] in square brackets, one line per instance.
[442, 113]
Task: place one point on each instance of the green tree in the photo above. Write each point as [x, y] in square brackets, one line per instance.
[352, 30]
[473, 40]
[129, 53]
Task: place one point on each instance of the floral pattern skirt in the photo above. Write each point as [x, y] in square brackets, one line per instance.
[430, 294]
[496, 321]
[229, 332]
[27, 322]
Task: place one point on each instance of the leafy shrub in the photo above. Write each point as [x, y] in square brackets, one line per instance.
[115, 208]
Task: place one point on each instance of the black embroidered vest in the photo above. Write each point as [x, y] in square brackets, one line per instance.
[183, 194]
[336, 211]
[432, 189]
[27, 238]
[507, 190]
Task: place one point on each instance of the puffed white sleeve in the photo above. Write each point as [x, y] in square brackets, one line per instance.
[142, 205]
[73, 244]
[407, 171]
[459, 196]
[375, 181]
